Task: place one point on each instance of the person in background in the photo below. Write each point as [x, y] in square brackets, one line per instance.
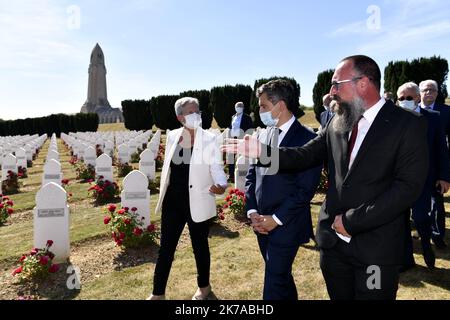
[438, 176]
[241, 124]
[327, 114]
[428, 95]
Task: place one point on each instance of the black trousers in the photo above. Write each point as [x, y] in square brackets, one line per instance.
[348, 279]
[438, 216]
[422, 222]
[175, 215]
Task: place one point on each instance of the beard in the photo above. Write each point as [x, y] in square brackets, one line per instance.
[347, 114]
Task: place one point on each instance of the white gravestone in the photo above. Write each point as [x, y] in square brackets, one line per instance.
[136, 194]
[51, 221]
[52, 154]
[9, 164]
[52, 172]
[242, 166]
[103, 167]
[90, 156]
[147, 164]
[21, 156]
[123, 154]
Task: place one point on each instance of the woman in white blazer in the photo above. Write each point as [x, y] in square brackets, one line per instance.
[192, 175]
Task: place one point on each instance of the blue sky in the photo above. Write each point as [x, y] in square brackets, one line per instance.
[165, 46]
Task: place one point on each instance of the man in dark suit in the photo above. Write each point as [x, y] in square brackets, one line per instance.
[438, 175]
[241, 124]
[281, 199]
[377, 162]
[327, 114]
[429, 93]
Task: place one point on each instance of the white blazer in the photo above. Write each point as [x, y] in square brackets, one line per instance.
[205, 170]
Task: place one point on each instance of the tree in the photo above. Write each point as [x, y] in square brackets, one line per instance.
[321, 88]
[224, 98]
[137, 114]
[162, 108]
[434, 68]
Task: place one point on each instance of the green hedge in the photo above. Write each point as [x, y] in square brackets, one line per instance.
[223, 100]
[55, 123]
[434, 68]
[321, 88]
[163, 111]
[254, 106]
[137, 114]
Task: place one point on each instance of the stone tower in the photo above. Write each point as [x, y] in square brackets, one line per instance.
[97, 98]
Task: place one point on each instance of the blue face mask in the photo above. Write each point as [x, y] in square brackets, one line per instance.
[268, 120]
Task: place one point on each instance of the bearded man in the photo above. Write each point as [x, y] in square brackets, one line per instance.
[377, 163]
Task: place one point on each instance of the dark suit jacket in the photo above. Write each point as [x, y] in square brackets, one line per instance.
[246, 122]
[287, 195]
[325, 117]
[387, 176]
[444, 111]
[439, 168]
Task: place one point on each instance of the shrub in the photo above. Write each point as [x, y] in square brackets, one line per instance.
[6, 209]
[127, 228]
[104, 191]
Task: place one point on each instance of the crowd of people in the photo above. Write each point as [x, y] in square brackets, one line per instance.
[387, 161]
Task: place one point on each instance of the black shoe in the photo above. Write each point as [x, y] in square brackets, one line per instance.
[439, 243]
[428, 256]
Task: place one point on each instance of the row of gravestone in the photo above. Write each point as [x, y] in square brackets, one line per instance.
[52, 212]
[23, 147]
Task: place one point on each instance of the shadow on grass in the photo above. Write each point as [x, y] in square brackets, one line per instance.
[133, 257]
[443, 254]
[419, 275]
[219, 230]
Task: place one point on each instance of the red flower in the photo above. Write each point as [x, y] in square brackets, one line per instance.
[134, 209]
[70, 194]
[49, 243]
[44, 260]
[221, 217]
[34, 251]
[18, 270]
[106, 220]
[127, 221]
[23, 258]
[225, 205]
[90, 180]
[53, 268]
[232, 191]
[101, 177]
[10, 211]
[126, 209]
[228, 198]
[119, 242]
[121, 211]
[51, 255]
[5, 198]
[1, 205]
[112, 208]
[122, 236]
[137, 231]
[151, 228]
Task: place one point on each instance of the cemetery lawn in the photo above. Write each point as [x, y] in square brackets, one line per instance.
[108, 272]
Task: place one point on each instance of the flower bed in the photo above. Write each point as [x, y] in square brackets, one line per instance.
[104, 191]
[6, 209]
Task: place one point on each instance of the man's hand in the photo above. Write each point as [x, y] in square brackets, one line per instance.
[266, 223]
[443, 186]
[339, 227]
[217, 189]
[249, 147]
[256, 218]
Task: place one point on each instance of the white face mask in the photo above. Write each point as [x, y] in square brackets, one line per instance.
[193, 121]
[239, 110]
[408, 105]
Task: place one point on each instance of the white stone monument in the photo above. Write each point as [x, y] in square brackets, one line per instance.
[9, 164]
[90, 156]
[147, 164]
[136, 194]
[52, 172]
[123, 154]
[103, 167]
[51, 221]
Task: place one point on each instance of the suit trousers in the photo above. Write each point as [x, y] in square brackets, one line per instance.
[349, 279]
[278, 281]
[175, 215]
[438, 216]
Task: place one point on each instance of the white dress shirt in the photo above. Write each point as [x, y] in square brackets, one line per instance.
[431, 107]
[236, 125]
[363, 127]
[284, 129]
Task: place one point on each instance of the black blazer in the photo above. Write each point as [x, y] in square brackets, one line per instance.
[387, 176]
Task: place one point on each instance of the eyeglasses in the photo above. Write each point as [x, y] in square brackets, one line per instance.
[431, 90]
[336, 84]
[408, 98]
